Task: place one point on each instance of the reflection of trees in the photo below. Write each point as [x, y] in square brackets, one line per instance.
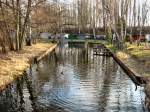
[19, 84]
[7, 99]
[12, 98]
[109, 69]
[105, 70]
[82, 66]
[80, 60]
[106, 81]
[108, 72]
[45, 68]
[48, 71]
[31, 91]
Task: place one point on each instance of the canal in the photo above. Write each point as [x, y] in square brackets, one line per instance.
[70, 80]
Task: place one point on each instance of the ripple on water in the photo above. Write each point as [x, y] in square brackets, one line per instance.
[73, 83]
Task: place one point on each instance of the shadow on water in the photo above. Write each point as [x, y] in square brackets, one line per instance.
[72, 79]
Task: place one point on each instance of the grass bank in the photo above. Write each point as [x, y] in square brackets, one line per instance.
[12, 65]
[137, 58]
[142, 53]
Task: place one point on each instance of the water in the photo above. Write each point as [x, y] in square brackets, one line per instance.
[71, 81]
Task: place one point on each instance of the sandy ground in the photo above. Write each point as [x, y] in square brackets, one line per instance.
[13, 64]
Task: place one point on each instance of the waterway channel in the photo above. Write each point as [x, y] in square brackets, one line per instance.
[72, 80]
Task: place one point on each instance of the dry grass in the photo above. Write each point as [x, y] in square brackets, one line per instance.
[122, 55]
[13, 64]
[139, 68]
[141, 61]
[140, 52]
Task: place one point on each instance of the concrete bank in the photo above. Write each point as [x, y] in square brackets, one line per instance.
[13, 65]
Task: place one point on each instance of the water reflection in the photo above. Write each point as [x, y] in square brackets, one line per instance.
[70, 80]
